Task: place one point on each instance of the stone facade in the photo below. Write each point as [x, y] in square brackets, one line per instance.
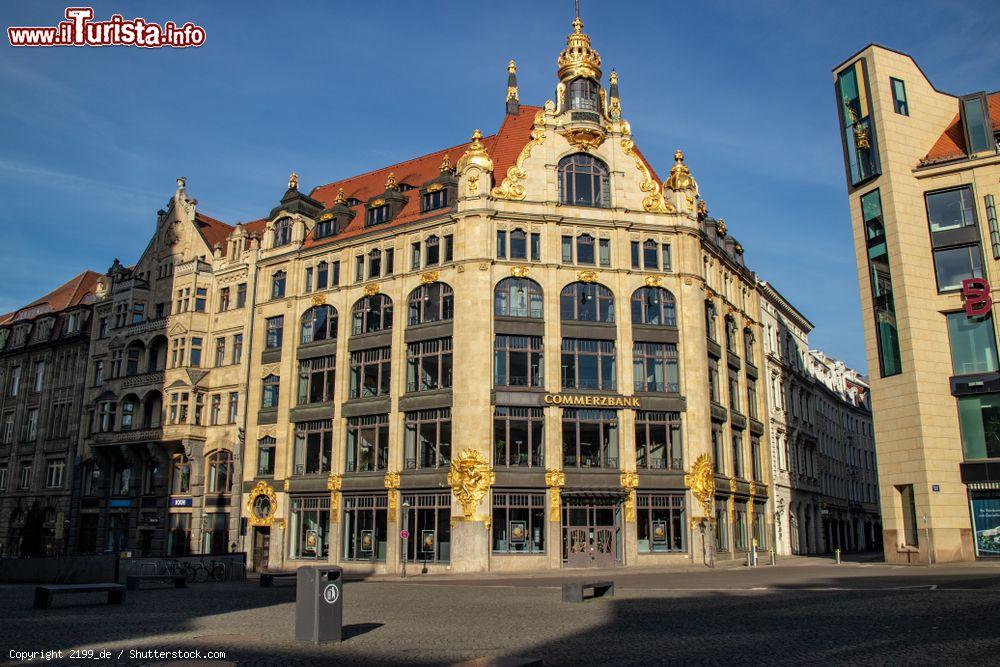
[904, 140]
[43, 360]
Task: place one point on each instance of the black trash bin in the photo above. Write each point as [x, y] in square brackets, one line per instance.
[319, 603]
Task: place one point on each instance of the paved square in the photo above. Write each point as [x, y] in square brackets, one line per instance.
[788, 614]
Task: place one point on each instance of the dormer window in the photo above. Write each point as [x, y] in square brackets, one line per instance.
[583, 95]
[352, 202]
[977, 124]
[434, 200]
[282, 232]
[377, 214]
[323, 228]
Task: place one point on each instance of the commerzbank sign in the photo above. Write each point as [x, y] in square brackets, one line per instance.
[591, 401]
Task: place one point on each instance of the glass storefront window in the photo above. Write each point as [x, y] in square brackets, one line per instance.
[309, 535]
[518, 522]
[979, 417]
[973, 344]
[365, 527]
[660, 522]
[429, 523]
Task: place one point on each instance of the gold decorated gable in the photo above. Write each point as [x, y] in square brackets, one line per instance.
[470, 479]
[654, 202]
[511, 187]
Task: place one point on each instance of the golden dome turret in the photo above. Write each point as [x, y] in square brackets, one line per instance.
[578, 59]
[476, 155]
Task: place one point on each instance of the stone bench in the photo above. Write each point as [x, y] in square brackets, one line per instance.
[132, 581]
[44, 594]
[573, 592]
[267, 578]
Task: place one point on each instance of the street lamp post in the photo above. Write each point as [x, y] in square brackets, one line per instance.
[406, 530]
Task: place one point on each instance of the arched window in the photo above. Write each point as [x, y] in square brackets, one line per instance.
[583, 181]
[583, 95]
[587, 302]
[653, 305]
[282, 232]
[319, 323]
[371, 314]
[220, 472]
[431, 303]
[517, 297]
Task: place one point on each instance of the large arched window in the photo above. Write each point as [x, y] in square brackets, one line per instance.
[220, 471]
[654, 305]
[371, 314]
[431, 303]
[587, 302]
[319, 323]
[584, 95]
[282, 232]
[518, 297]
[583, 181]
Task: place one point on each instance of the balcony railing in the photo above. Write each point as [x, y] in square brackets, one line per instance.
[142, 379]
[660, 464]
[159, 323]
[137, 435]
[573, 461]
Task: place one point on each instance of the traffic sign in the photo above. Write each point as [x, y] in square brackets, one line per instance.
[405, 534]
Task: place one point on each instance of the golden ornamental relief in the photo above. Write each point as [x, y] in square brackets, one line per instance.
[587, 276]
[428, 277]
[629, 480]
[434, 187]
[371, 289]
[585, 139]
[630, 507]
[326, 216]
[701, 480]
[390, 182]
[391, 480]
[393, 501]
[519, 271]
[318, 299]
[731, 505]
[654, 281]
[375, 203]
[261, 504]
[732, 485]
[476, 155]
[720, 227]
[285, 485]
[334, 482]
[473, 184]
[680, 175]
[554, 496]
[511, 187]
[753, 491]
[702, 210]
[470, 479]
[555, 478]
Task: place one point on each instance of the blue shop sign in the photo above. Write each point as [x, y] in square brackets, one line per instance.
[180, 502]
[120, 502]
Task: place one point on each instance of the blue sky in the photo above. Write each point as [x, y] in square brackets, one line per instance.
[91, 140]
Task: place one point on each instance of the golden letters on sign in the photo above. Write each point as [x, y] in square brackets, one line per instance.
[592, 401]
[701, 480]
[470, 479]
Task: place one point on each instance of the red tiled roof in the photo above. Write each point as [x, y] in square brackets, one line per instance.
[951, 144]
[69, 294]
[212, 230]
[503, 147]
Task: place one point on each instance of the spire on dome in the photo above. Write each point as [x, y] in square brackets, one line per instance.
[578, 59]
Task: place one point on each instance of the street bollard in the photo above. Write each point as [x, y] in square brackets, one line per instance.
[319, 604]
[836, 552]
[772, 556]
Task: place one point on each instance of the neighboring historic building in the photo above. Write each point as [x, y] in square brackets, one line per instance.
[846, 462]
[922, 172]
[43, 358]
[334, 357]
[822, 447]
[793, 437]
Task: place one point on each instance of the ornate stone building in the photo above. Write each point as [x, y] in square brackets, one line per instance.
[922, 170]
[525, 351]
[43, 359]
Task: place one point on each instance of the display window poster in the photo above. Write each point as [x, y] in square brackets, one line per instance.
[986, 520]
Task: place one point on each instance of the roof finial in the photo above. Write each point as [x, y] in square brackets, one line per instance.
[578, 58]
[615, 103]
[341, 199]
[390, 182]
[446, 167]
[293, 181]
[476, 155]
[513, 107]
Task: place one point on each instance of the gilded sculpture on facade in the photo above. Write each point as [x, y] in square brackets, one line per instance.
[701, 480]
[554, 480]
[470, 479]
[680, 175]
[511, 187]
[261, 504]
[630, 482]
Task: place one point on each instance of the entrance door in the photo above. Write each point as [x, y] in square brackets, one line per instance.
[261, 548]
[589, 536]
